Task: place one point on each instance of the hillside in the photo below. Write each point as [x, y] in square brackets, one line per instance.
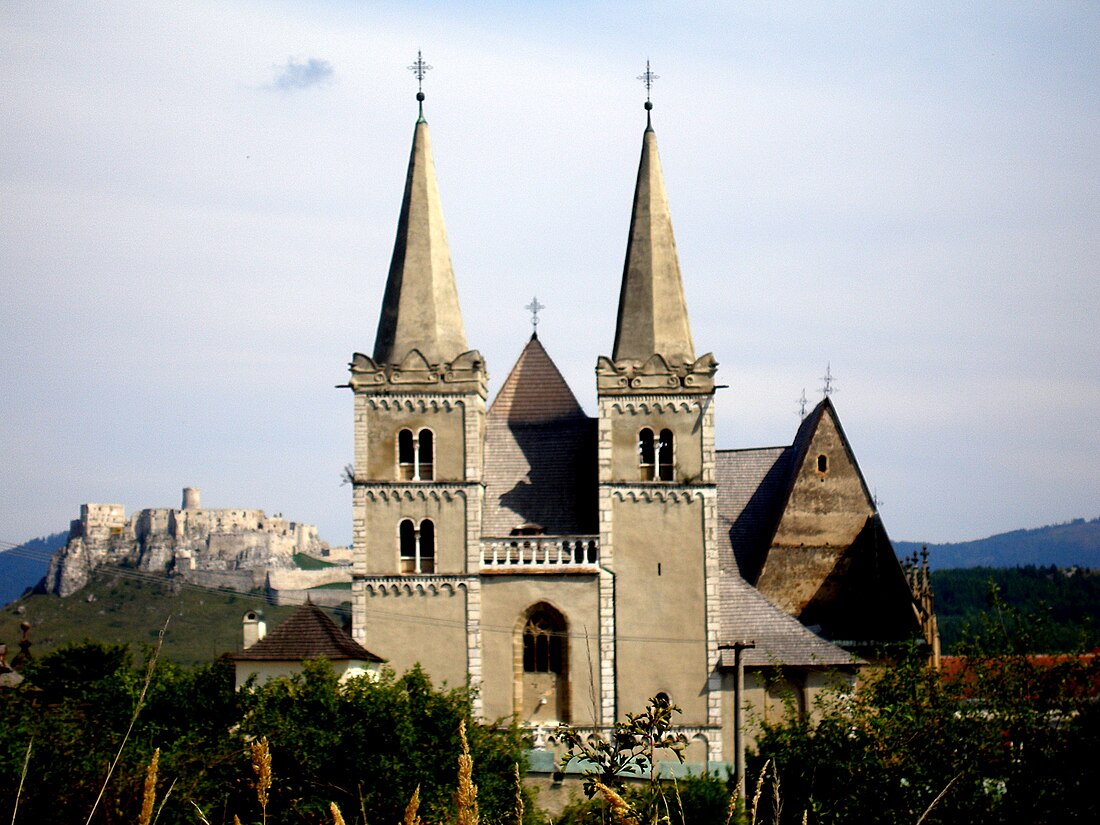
[1058, 610]
[24, 566]
[1074, 544]
[123, 606]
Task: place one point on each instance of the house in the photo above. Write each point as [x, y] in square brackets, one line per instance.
[573, 566]
[308, 634]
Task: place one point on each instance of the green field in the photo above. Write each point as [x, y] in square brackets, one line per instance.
[121, 606]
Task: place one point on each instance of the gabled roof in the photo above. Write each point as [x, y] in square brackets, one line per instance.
[308, 634]
[746, 615]
[535, 391]
[420, 306]
[653, 315]
[540, 453]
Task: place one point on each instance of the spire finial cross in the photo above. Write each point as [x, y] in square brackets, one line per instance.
[828, 389]
[802, 402]
[534, 308]
[648, 79]
[420, 68]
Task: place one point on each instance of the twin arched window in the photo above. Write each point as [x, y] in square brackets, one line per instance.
[655, 461]
[417, 546]
[415, 455]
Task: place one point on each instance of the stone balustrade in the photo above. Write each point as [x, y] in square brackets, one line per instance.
[541, 553]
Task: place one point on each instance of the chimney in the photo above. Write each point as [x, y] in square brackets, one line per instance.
[254, 628]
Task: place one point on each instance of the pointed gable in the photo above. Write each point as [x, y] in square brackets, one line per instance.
[420, 306]
[540, 453]
[653, 315]
[308, 634]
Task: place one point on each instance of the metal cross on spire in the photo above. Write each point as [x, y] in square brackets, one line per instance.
[802, 402]
[648, 78]
[420, 68]
[534, 308]
[827, 388]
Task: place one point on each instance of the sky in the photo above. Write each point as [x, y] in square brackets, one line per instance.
[200, 199]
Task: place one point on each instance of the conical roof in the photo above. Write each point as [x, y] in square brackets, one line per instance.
[653, 315]
[535, 391]
[420, 306]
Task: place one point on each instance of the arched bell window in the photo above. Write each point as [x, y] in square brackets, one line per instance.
[415, 455]
[655, 455]
[542, 666]
[417, 546]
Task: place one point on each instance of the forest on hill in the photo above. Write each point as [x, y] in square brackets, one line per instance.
[1073, 544]
[1055, 610]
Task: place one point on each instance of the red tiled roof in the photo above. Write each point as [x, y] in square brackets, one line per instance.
[308, 634]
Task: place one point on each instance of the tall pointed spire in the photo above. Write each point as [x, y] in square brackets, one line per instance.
[653, 317]
[420, 306]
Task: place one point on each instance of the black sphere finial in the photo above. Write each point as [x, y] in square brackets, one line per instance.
[649, 105]
[420, 96]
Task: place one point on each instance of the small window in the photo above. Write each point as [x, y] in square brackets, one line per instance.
[415, 455]
[417, 546]
[823, 463]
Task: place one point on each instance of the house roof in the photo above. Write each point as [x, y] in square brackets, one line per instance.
[308, 634]
[540, 453]
[746, 614]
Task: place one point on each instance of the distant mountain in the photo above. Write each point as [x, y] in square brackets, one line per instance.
[1074, 544]
[24, 566]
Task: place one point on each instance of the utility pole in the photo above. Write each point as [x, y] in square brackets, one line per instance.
[738, 694]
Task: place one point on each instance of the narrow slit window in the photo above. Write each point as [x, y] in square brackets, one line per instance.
[823, 463]
[425, 455]
[406, 456]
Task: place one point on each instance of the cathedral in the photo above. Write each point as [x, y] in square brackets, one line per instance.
[572, 567]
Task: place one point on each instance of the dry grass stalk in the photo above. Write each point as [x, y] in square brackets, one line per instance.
[777, 799]
[22, 777]
[148, 796]
[466, 801]
[519, 810]
[236, 820]
[337, 817]
[261, 764]
[621, 812]
[202, 816]
[805, 817]
[163, 800]
[412, 810]
[941, 795]
[759, 790]
[133, 719]
[731, 808]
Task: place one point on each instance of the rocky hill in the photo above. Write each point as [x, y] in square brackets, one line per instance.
[237, 549]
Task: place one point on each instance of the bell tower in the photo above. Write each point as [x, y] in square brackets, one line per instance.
[419, 412]
[657, 494]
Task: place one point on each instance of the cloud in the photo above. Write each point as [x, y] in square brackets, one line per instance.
[295, 75]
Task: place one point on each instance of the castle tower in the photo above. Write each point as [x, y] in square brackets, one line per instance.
[419, 434]
[657, 500]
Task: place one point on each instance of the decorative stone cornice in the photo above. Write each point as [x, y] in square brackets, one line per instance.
[662, 492]
[420, 491]
[465, 375]
[654, 376]
[414, 585]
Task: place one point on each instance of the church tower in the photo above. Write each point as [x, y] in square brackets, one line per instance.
[657, 494]
[419, 435]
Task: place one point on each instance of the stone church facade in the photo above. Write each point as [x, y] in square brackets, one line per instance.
[573, 567]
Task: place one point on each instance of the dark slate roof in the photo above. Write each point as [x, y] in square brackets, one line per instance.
[308, 634]
[540, 453]
[747, 615]
[752, 490]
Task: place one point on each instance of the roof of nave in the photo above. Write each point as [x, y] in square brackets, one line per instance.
[752, 489]
[746, 615]
[308, 634]
[540, 453]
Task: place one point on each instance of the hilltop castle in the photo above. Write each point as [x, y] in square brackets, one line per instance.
[570, 566]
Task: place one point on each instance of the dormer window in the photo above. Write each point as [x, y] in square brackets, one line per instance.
[417, 546]
[655, 461]
[415, 455]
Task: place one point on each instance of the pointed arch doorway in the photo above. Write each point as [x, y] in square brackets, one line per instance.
[542, 666]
